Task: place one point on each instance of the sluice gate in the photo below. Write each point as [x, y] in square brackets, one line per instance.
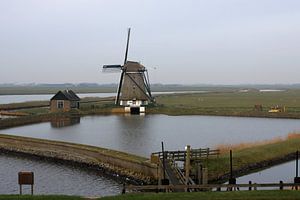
[183, 167]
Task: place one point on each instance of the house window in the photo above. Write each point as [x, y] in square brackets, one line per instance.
[60, 104]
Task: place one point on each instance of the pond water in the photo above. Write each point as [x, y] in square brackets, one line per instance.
[54, 178]
[143, 134]
[138, 135]
[284, 172]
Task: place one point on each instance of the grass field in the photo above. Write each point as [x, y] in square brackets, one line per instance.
[241, 195]
[254, 156]
[39, 197]
[53, 88]
[239, 104]
[229, 103]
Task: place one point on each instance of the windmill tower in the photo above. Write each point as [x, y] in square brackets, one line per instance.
[134, 88]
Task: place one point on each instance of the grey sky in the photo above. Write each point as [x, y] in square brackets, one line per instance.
[212, 41]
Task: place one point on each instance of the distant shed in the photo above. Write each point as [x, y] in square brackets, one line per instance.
[64, 101]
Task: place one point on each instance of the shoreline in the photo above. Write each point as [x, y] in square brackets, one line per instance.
[82, 166]
[40, 118]
[129, 167]
[256, 167]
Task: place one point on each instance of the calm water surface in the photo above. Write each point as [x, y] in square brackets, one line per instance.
[143, 134]
[284, 172]
[139, 135]
[54, 178]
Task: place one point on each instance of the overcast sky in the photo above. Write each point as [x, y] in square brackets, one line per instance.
[184, 41]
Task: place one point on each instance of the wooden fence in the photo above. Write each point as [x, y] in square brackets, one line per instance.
[195, 154]
[209, 187]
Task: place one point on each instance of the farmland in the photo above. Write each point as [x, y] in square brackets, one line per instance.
[221, 103]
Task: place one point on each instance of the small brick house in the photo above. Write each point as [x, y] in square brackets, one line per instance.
[64, 101]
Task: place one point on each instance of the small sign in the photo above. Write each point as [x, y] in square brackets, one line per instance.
[26, 178]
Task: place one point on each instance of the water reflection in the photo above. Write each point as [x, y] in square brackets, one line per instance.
[60, 122]
[134, 133]
[143, 134]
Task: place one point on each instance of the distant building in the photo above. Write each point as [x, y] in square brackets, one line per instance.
[64, 101]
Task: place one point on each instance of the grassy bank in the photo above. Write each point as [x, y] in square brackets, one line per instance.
[24, 105]
[245, 195]
[127, 166]
[242, 195]
[31, 119]
[253, 156]
[39, 197]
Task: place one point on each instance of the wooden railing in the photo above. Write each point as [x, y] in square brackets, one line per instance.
[195, 154]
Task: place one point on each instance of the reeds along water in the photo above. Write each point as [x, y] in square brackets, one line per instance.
[224, 148]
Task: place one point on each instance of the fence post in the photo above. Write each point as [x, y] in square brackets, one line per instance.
[281, 186]
[250, 188]
[205, 176]
[187, 164]
[123, 189]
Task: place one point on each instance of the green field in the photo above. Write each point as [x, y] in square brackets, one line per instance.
[39, 197]
[242, 195]
[229, 103]
[254, 156]
[54, 88]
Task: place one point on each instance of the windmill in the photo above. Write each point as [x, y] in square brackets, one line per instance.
[134, 87]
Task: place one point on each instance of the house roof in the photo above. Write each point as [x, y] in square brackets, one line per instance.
[66, 95]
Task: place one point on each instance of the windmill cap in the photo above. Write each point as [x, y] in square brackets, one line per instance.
[132, 66]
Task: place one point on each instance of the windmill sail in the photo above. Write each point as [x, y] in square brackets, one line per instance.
[123, 70]
[111, 68]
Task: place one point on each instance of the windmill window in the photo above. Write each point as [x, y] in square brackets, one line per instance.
[60, 104]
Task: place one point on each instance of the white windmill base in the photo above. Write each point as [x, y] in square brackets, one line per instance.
[135, 109]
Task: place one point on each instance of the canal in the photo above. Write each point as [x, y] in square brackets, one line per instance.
[142, 135]
[54, 178]
[138, 135]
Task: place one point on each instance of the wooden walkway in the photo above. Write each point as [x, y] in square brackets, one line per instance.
[175, 175]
